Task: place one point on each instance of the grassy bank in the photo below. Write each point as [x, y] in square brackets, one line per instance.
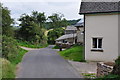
[75, 53]
[29, 45]
[8, 67]
[56, 47]
[19, 57]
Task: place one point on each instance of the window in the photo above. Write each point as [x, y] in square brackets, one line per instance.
[97, 43]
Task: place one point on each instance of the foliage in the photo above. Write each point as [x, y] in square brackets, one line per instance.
[7, 69]
[64, 21]
[9, 48]
[11, 52]
[30, 45]
[19, 56]
[115, 74]
[57, 20]
[7, 21]
[73, 22]
[32, 28]
[75, 53]
[56, 47]
[109, 77]
[116, 69]
[54, 34]
[89, 75]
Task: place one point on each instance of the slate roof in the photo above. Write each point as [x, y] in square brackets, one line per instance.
[71, 28]
[99, 7]
[67, 36]
[80, 23]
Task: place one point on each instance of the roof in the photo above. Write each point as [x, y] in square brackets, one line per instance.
[80, 23]
[99, 7]
[66, 36]
[71, 28]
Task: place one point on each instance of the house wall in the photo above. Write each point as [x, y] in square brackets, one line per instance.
[71, 40]
[119, 33]
[70, 31]
[105, 26]
[80, 36]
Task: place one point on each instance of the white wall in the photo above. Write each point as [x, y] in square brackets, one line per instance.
[119, 32]
[106, 26]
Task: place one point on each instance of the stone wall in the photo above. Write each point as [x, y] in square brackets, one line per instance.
[103, 69]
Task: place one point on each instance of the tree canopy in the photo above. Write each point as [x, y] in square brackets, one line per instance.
[32, 27]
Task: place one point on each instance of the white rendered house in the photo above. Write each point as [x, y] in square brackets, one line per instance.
[102, 30]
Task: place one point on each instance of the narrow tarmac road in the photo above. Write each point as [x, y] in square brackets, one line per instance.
[45, 63]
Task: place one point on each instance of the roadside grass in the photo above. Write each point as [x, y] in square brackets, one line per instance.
[55, 47]
[29, 45]
[75, 53]
[89, 75]
[18, 57]
[9, 67]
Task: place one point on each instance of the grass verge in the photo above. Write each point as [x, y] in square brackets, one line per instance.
[55, 47]
[75, 53]
[19, 56]
[8, 68]
[29, 45]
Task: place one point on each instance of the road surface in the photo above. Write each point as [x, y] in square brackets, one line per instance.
[45, 63]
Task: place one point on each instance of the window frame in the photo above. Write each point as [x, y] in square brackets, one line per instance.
[97, 49]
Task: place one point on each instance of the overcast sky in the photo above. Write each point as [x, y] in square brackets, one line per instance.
[70, 8]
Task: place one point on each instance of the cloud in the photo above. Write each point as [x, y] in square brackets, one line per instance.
[70, 9]
[40, 0]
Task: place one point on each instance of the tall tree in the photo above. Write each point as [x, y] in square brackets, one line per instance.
[7, 21]
[54, 34]
[39, 18]
[9, 44]
[32, 27]
[57, 20]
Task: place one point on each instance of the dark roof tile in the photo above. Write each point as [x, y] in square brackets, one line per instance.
[99, 7]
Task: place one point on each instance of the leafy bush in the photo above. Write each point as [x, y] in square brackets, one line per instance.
[116, 69]
[54, 34]
[30, 45]
[7, 69]
[9, 48]
[56, 47]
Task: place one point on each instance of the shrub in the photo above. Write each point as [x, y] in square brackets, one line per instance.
[116, 69]
[7, 69]
[9, 48]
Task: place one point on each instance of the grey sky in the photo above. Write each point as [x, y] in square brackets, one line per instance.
[70, 8]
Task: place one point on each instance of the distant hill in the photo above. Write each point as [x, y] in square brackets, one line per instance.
[73, 22]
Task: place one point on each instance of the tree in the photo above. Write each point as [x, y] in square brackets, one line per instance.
[7, 21]
[9, 44]
[39, 18]
[57, 20]
[54, 34]
[32, 27]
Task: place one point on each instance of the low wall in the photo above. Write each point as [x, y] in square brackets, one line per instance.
[103, 69]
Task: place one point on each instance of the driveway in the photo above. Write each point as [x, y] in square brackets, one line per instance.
[45, 63]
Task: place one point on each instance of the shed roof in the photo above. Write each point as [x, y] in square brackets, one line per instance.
[99, 7]
[71, 28]
[67, 36]
[80, 23]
